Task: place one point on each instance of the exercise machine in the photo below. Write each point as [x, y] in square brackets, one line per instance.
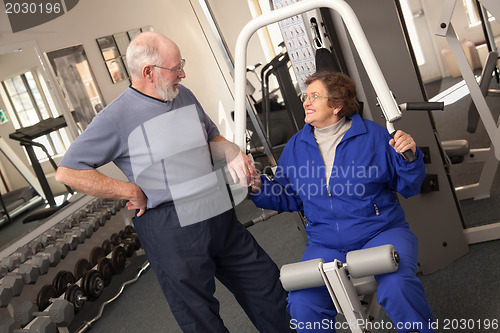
[490, 156]
[351, 285]
[26, 136]
[459, 151]
[387, 102]
[21, 200]
[446, 241]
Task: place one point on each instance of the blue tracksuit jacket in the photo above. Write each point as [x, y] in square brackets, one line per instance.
[360, 201]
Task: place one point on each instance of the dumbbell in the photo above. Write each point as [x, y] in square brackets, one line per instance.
[56, 247]
[129, 229]
[89, 221]
[74, 220]
[60, 312]
[101, 213]
[29, 272]
[62, 280]
[126, 232]
[107, 267]
[92, 221]
[41, 262]
[23, 253]
[134, 239]
[45, 296]
[61, 238]
[35, 245]
[92, 281]
[130, 242]
[82, 266]
[22, 312]
[14, 282]
[5, 296]
[3, 270]
[42, 241]
[49, 247]
[61, 284]
[118, 248]
[77, 233]
[75, 295]
[69, 242]
[11, 262]
[63, 226]
[41, 324]
[53, 253]
[78, 215]
[91, 209]
[98, 258]
[31, 269]
[113, 205]
[92, 284]
[88, 228]
[8, 324]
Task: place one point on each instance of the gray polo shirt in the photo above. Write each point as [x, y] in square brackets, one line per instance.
[160, 146]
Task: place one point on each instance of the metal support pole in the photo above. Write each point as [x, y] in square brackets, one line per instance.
[387, 103]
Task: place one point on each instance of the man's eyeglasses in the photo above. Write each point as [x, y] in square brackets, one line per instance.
[176, 70]
[311, 97]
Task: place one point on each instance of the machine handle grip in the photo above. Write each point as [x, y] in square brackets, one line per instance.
[424, 106]
[408, 154]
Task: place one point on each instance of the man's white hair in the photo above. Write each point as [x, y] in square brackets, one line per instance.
[143, 51]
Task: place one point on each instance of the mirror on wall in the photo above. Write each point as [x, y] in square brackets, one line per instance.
[443, 65]
[77, 80]
[26, 99]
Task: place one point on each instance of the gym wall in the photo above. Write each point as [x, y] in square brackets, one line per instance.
[183, 21]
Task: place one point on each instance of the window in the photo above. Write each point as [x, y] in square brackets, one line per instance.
[412, 32]
[270, 36]
[29, 105]
[472, 13]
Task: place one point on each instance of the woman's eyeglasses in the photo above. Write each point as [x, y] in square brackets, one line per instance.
[311, 97]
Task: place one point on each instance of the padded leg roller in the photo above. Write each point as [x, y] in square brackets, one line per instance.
[302, 275]
[360, 263]
[373, 261]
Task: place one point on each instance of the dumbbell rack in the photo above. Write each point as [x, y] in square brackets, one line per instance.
[77, 209]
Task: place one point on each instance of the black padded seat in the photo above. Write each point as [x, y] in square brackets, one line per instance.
[16, 198]
[456, 149]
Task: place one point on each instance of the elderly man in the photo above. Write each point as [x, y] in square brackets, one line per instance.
[157, 133]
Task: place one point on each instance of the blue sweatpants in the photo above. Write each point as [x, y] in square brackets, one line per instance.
[186, 260]
[400, 293]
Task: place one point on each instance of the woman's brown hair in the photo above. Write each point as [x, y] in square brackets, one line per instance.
[341, 91]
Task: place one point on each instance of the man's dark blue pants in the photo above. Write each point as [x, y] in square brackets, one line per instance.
[186, 260]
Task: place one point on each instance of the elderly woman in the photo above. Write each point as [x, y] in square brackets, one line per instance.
[343, 172]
